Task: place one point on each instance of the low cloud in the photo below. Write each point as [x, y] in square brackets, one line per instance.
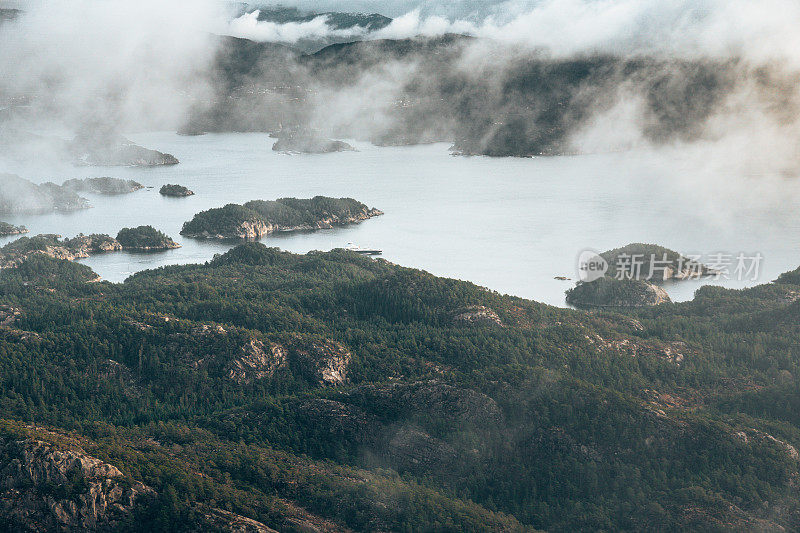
[763, 31]
[249, 27]
[124, 64]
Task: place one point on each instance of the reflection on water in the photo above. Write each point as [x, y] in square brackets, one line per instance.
[512, 225]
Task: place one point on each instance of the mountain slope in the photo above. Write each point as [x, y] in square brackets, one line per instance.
[346, 391]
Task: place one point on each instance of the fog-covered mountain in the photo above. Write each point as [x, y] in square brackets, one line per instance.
[313, 30]
[530, 104]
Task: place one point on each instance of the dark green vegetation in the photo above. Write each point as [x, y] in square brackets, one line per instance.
[612, 292]
[228, 222]
[15, 252]
[261, 217]
[10, 229]
[145, 238]
[174, 190]
[103, 185]
[311, 212]
[631, 277]
[354, 393]
[43, 269]
[18, 195]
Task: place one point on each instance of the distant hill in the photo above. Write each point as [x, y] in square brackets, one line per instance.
[337, 20]
[531, 105]
[359, 23]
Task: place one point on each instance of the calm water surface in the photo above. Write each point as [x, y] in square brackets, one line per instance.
[508, 224]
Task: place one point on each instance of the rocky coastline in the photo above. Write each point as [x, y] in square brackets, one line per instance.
[259, 218]
[7, 229]
[143, 238]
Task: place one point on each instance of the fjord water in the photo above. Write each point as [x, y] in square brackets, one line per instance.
[509, 224]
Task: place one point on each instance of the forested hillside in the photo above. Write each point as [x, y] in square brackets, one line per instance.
[338, 392]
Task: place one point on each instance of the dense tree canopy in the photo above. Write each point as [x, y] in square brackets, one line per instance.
[378, 397]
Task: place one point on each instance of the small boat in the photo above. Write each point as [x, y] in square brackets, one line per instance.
[364, 251]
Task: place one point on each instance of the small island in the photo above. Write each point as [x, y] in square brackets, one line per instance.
[104, 185]
[258, 218]
[611, 292]
[81, 246]
[632, 276]
[18, 195]
[145, 239]
[7, 229]
[308, 142]
[652, 262]
[174, 190]
[113, 150]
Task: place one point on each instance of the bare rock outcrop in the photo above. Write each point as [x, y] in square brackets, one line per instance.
[8, 315]
[326, 361]
[674, 352]
[257, 362]
[611, 292]
[16, 252]
[47, 488]
[478, 315]
[221, 520]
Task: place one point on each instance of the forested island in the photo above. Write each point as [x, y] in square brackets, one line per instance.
[633, 275]
[308, 142]
[97, 148]
[18, 195]
[9, 229]
[175, 190]
[145, 238]
[81, 246]
[104, 185]
[366, 396]
[258, 218]
[654, 263]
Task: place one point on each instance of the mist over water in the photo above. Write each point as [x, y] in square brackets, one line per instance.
[685, 113]
[511, 225]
